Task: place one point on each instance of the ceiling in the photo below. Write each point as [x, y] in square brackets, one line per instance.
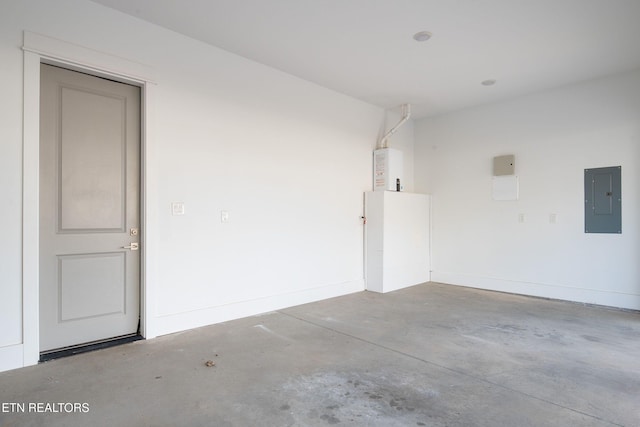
[365, 48]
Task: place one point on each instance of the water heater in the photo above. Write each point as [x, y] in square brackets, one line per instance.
[387, 170]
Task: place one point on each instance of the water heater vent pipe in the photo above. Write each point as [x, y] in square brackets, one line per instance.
[406, 113]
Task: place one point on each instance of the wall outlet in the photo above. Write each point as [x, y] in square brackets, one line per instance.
[177, 208]
[224, 216]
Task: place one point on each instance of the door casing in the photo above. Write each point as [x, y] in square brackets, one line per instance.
[42, 49]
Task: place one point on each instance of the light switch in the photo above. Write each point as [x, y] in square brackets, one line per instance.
[521, 217]
[177, 208]
[553, 218]
[224, 216]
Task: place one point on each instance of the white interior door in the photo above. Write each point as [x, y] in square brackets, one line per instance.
[89, 208]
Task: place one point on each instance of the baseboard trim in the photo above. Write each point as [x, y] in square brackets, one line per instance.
[194, 319]
[559, 292]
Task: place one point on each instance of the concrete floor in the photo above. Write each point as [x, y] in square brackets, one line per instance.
[430, 355]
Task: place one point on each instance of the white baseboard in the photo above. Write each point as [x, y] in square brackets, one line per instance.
[589, 296]
[11, 357]
[209, 316]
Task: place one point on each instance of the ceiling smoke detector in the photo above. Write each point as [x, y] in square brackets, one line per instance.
[422, 36]
[489, 82]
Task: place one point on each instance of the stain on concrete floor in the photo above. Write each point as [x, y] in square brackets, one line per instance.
[358, 399]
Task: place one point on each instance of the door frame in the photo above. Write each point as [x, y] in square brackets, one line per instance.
[42, 49]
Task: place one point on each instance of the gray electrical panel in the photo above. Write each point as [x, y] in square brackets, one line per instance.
[603, 200]
[504, 165]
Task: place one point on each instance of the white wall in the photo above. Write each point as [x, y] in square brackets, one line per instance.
[11, 195]
[287, 159]
[554, 135]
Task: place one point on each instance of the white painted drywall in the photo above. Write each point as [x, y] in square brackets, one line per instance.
[288, 160]
[10, 185]
[554, 136]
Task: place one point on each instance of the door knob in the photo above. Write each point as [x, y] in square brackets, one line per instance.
[132, 246]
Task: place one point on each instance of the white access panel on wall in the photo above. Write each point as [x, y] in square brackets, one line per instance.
[397, 240]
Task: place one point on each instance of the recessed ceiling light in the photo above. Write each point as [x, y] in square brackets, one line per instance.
[489, 82]
[422, 36]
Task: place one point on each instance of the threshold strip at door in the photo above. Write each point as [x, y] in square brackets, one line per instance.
[45, 356]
